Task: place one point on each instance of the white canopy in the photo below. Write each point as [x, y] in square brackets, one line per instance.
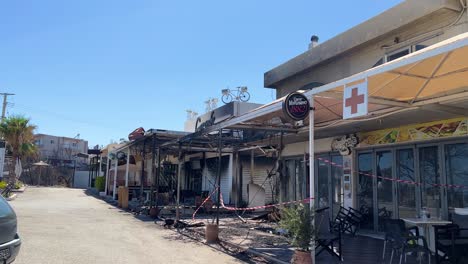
[436, 76]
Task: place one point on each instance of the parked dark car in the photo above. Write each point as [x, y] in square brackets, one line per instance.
[9, 240]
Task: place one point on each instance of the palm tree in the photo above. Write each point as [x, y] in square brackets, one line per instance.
[19, 136]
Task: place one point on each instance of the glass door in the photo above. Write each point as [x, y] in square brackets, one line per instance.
[365, 193]
[406, 192]
[426, 170]
[295, 180]
[375, 189]
[429, 173]
[329, 183]
[456, 169]
[337, 184]
[384, 169]
[323, 196]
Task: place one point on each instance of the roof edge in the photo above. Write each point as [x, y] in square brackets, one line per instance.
[408, 12]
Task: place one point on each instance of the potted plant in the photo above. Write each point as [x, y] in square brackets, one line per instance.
[297, 221]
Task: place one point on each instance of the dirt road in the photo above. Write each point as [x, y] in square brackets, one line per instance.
[67, 226]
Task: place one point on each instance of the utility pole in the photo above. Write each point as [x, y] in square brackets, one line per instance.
[5, 96]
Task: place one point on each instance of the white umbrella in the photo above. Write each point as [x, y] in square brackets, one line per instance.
[40, 164]
[18, 168]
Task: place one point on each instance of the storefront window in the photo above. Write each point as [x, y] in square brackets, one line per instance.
[366, 190]
[296, 180]
[384, 186]
[301, 179]
[406, 191]
[423, 177]
[456, 164]
[337, 177]
[323, 184]
[430, 178]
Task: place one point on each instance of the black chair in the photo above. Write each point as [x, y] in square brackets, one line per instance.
[356, 219]
[347, 220]
[405, 242]
[341, 220]
[451, 241]
[327, 236]
[383, 215]
[390, 229]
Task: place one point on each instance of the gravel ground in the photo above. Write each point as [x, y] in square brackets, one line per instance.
[60, 225]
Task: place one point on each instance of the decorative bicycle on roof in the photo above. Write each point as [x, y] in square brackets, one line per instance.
[239, 94]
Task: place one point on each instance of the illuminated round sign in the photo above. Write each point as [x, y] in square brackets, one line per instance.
[296, 106]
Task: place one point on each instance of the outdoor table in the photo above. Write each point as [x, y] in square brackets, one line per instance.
[426, 225]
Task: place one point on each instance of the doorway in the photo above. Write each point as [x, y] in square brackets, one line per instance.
[329, 182]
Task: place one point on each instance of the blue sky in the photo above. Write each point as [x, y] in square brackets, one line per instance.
[103, 68]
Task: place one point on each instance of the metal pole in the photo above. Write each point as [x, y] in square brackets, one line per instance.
[236, 180]
[142, 178]
[127, 167]
[158, 171]
[97, 167]
[219, 176]
[100, 165]
[280, 168]
[89, 172]
[252, 166]
[153, 160]
[115, 176]
[311, 176]
[74, 172]
[107, 171]
[179, 172]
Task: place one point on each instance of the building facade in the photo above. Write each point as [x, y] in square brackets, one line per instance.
[403, 29]
[398, 164]
[61, 151]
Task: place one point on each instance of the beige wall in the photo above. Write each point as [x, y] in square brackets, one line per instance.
[365, 56]
[297, 149]
[60, 147]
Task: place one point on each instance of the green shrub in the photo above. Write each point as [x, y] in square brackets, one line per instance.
[18, 184]
[297, 221]
[3, 184]
[100, 183]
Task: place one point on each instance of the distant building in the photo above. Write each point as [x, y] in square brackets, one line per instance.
[60, 150]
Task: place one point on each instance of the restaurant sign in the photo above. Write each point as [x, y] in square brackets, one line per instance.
[296, 106]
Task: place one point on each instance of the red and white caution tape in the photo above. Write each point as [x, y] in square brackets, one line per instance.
[206, 200]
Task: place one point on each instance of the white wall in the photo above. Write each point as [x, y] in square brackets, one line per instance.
[259, 176]
[81, 179]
